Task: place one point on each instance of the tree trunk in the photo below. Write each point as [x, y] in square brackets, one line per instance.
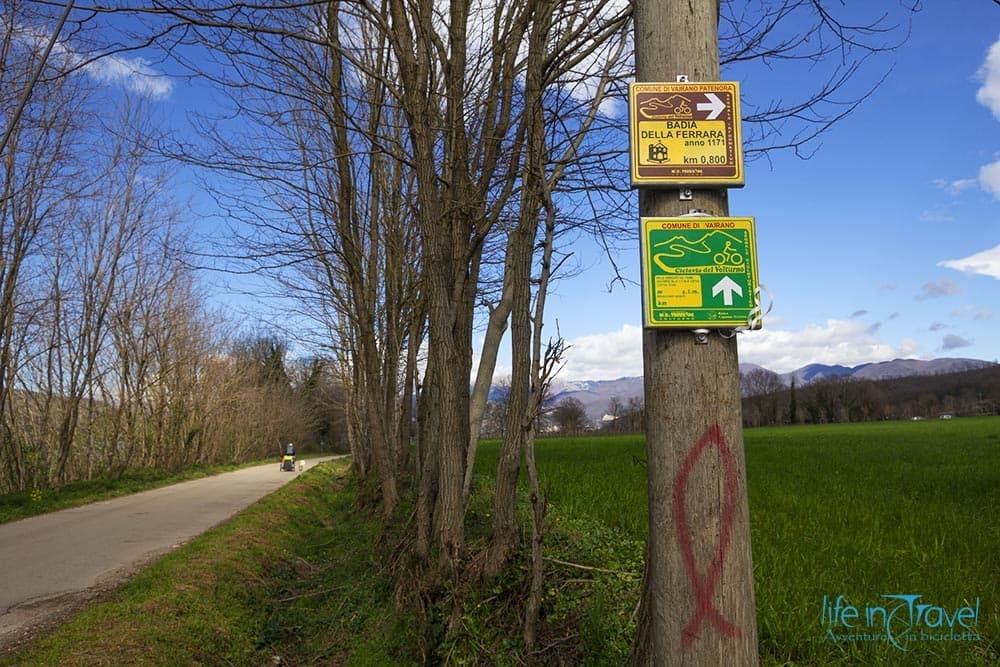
[495, 329]
[449, 359]
[698, 597]
[518, 422]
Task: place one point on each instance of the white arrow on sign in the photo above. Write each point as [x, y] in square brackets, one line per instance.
[727, 286]
[714, 106]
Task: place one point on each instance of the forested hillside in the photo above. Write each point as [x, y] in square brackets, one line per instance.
[839, 399]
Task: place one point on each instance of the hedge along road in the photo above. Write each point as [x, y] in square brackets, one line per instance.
[54, 563]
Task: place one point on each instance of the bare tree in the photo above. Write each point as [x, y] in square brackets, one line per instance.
[117, 214]
[561, 35]
[398, 145]
[760, 381]
[569, 416]
[635, 414]
[495, 414]
[41, 179]
[824, 41]
[324, 204]
[614, 414]
[155, 294]
[108, 357]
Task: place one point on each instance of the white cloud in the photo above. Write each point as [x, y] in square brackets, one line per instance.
[989, 178]
[955, 187]
[985, 263]
[135, 74]
[846, 342]
[849, 342]
[989, 96]
[605, 356]
[989, 93]
[936, 216]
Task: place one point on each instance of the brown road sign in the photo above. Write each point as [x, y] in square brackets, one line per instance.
[686, 134]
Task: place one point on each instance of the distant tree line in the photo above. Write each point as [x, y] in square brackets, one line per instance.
[568, 416]
[767, 401]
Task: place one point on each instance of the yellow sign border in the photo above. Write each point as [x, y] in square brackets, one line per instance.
[692, 224]
[737, 179]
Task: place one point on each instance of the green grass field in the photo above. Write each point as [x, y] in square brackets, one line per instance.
[874, 509]
[859, 510]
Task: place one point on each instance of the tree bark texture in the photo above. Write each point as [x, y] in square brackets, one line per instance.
[698, 599]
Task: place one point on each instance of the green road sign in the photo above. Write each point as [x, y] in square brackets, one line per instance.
[699, 272]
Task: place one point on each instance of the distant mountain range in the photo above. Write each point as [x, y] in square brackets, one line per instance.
[596, 395]
[882, 370]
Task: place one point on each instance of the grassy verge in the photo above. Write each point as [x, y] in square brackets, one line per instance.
[304, 577]
[294, 578]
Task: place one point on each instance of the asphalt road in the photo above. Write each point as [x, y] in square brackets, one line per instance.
[54, 563]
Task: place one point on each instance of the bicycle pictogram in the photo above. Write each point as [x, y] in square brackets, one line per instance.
[728, 256]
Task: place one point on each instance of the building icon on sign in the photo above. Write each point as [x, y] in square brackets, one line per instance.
[658, 152]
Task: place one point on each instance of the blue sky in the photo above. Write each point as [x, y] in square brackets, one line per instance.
[885, 244]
